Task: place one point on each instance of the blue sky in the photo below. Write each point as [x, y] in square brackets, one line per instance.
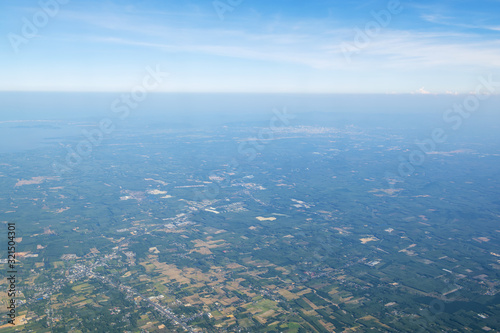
[259, 46]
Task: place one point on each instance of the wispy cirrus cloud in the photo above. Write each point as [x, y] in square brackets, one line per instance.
[454, 22]
[434, 50]
[305, 46]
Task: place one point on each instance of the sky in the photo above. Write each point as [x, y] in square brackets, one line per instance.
[250, 46]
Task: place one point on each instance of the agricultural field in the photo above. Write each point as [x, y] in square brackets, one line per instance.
[178, 231]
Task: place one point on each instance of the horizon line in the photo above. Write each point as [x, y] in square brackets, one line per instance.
[249, 93]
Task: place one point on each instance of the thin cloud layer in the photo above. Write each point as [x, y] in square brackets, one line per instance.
[257, 43]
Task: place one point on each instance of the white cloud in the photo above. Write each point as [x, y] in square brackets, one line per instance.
[313, 44]
[308, 48]
[422, 91]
